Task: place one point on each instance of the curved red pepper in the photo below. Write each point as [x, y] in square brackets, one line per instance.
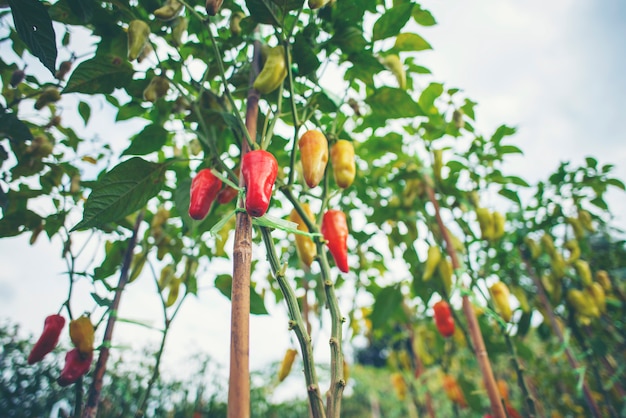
[204, 188]
[443, 318]
[53, 325]
[335, 231]
[259, 169]
[76, 365]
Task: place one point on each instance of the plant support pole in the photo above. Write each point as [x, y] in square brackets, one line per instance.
[239, 382]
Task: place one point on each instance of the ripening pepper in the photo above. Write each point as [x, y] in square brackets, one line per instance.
[443, 318]
[169, 10]
[53, 325]
[596, 292]
[76, 365]
[235, 23]
[82, 334]
[498, 224]
[335, 231]
[574, 250]
[285, 366]
[500, 294]
[274, 71]
[454, 391]
[583, 304]
[179, 30]
[213, 6]
[603, 278]
[393, 63]
[585, 220]
[446, 272]
[584, 272]
[548, 244]
[47, 96]
[399, 385]
[204, 188]
[157, 88]
[432, 261]
[314, 155]
[174, 290]
[485, 221]
[558, 265]
[533, 247]
[577, 227]
[457, 118]
[259, 169]
[316, 4]
[304, 244]
[138, 33]
[344, 167]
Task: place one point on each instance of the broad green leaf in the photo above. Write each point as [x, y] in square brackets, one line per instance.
[428, 97]
[599, 202]
[265, 11]
[34, 26]
[517, 181]
[82, 8]
[150, 139]
[15, 223]
[224, 284]
[501, 132]
[100, 301]
[510, 194]
[391, 103]
[13, 128]
[617, 183]
[350, 39]
[122, 191]
[591, 162]
[112, 261]
[388, 301]
[510, 149]
[392, 21]
[411, 42]
[101, 74]
[304, 56]
[288, 5]
[423, 17]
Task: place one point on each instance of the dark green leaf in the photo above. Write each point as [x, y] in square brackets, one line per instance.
[390, 103]
[85, 111]
[428, 97]
[617, 183]
[288, 5]
[34, 26]
[501, 132]
[304, 56]
[599, 202]
[411, 42]
[4, 199]
[13, 128]
[150, 139]
[392, 21]
[101, 74]
[387, 302]
[100, 301]
[591, 162]
[510, 194]
[82, 8]
[509, 149]
[122, 191]
[11, 224]
[265, 11]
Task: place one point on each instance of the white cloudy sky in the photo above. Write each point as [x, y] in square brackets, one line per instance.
[553, 69]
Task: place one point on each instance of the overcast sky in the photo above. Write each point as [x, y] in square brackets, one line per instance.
[556, 70]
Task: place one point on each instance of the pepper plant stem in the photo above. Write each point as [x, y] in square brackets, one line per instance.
[91, 407]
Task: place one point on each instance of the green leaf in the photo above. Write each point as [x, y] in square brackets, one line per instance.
[304, 56]
[150, 139]
[122, 191]
[100, 301]
[510, 149]
[392, 21]
[224, 283]
[34, 27]
[616, 183]
[501, 132]
[391, 103]
[265, 11]
[84, 110]
[423, 17]
[82, 8]
[510, 194]
[517, 181]
[599, 202]
[591, 162]
[428, 97]
[388, 301]
[411, 42]
[288, 5]
[112, 261]
[101, 74]
[13, 128]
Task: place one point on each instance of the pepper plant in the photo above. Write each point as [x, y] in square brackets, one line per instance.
[259, 109]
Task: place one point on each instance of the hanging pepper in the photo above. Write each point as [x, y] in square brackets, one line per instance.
[259, 169]
[399, 385]
[432, 260]
[393, 63]
[335, 231]
[76, 365]
[52, 327]
[285, 366]
[204, 188]
[584, 272]
[446, 272]
[156, 89]
[274, 71]
[227, 194]
[305, 245]
[138, 33]
[169, 10]
[314, 155]
[443, 318]
[500, 293]
[82, 334]
[454, 391]
[485, 220]
[344, 167]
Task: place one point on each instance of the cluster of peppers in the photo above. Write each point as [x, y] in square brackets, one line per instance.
[259, 169]
[79, 359]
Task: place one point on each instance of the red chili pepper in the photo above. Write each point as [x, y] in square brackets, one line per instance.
[335, 231]
[259, 169]
[53, 325]
[443, 318]
[204, 188]
[76, 365]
